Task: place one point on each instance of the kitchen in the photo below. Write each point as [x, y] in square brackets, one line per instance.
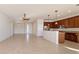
[61, 30]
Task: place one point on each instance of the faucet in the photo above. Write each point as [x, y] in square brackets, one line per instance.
[61, 26]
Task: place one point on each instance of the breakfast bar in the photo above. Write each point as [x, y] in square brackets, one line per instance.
[59, 36]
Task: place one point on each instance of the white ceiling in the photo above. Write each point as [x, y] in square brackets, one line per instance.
[34, 11]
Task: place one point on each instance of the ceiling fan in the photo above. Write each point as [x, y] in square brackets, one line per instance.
[25, 18]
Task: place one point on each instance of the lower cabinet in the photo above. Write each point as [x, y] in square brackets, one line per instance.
[61, 37]
[71, 37]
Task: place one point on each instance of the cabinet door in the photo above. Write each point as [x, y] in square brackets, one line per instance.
[61, 22]
[66, 25]
[54, 25]
[71, 37]
[45, 23]
[51, 25]
[65, 22]
[71, 22]
[61, 37]
[77, 21]
[48, 23]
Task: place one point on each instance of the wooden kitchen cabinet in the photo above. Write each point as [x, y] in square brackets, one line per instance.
[71, 22]
[51, 24]
[61, 37]
[66, 23]
[61, 22]
[77, 37]
[71, 37]
[47, 23]
[76, 22]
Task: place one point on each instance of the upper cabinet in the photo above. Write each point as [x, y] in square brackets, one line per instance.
[66, 23]
[72, 22]
[76, 21]
[61, 22]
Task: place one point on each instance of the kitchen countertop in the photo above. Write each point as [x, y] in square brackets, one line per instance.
[65, 29]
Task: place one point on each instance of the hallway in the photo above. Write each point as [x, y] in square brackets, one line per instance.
[31, 44]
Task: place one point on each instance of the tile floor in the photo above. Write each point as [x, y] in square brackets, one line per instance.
[30, 44]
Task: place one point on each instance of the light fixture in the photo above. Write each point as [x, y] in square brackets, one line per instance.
[56, 11]
[56, 23]
[25, 18]
[48, 16]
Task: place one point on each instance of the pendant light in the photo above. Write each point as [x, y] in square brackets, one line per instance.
[56, 11]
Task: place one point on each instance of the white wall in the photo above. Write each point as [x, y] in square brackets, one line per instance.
[5, 27]
[38, 27]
